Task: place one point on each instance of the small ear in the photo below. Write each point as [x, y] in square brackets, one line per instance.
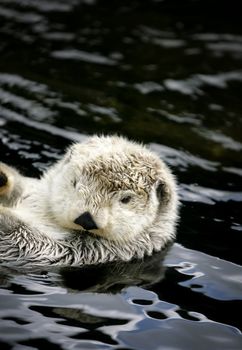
[162, 191]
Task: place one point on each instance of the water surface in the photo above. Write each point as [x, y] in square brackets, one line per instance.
[169, 74]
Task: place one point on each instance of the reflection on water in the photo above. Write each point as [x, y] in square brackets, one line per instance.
[121, 303]
[152, 72]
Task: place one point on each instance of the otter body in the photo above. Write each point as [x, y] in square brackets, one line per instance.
[107, 199]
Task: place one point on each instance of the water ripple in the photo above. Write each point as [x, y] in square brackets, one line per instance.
[31, 107]
[192, 85]
[216, 278]
[164, 39]
[195, 193]
[16, 80]
[79, 55]
[226, 141]
[220, 44]
[182, 159]
[43, 5]
[19, 16]
[50, 129]
[65, 316]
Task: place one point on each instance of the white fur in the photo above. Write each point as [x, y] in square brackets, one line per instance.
[93, 177]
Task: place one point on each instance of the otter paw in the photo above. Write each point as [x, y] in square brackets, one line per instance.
[5, 186]
[3, 181]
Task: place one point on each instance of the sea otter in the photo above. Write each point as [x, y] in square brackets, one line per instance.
[107, 199]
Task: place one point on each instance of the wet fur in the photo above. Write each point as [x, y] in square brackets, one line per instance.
[37, 215]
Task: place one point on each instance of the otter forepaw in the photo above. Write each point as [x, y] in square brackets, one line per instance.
[5, 181]
[10, 185]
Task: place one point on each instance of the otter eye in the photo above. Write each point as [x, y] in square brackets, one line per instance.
[125, 199]
[74, 182]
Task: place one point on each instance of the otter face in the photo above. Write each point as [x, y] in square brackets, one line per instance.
[111, 187]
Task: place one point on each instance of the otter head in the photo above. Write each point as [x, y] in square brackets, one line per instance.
[114, 188]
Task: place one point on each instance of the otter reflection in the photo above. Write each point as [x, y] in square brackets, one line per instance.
[102, 278]
[113, 277]
[108, 278]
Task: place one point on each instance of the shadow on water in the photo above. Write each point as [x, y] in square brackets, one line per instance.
[35, 285]
[167, 73]
[101, 278]
[106, 303]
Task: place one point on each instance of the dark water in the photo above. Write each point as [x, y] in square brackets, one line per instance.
[168, 73]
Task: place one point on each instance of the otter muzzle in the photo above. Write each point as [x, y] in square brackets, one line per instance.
[86, 221]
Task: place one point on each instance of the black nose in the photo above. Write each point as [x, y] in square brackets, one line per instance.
[86, 221]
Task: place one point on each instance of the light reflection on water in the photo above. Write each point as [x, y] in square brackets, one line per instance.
[66, 306]
[70, 69]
